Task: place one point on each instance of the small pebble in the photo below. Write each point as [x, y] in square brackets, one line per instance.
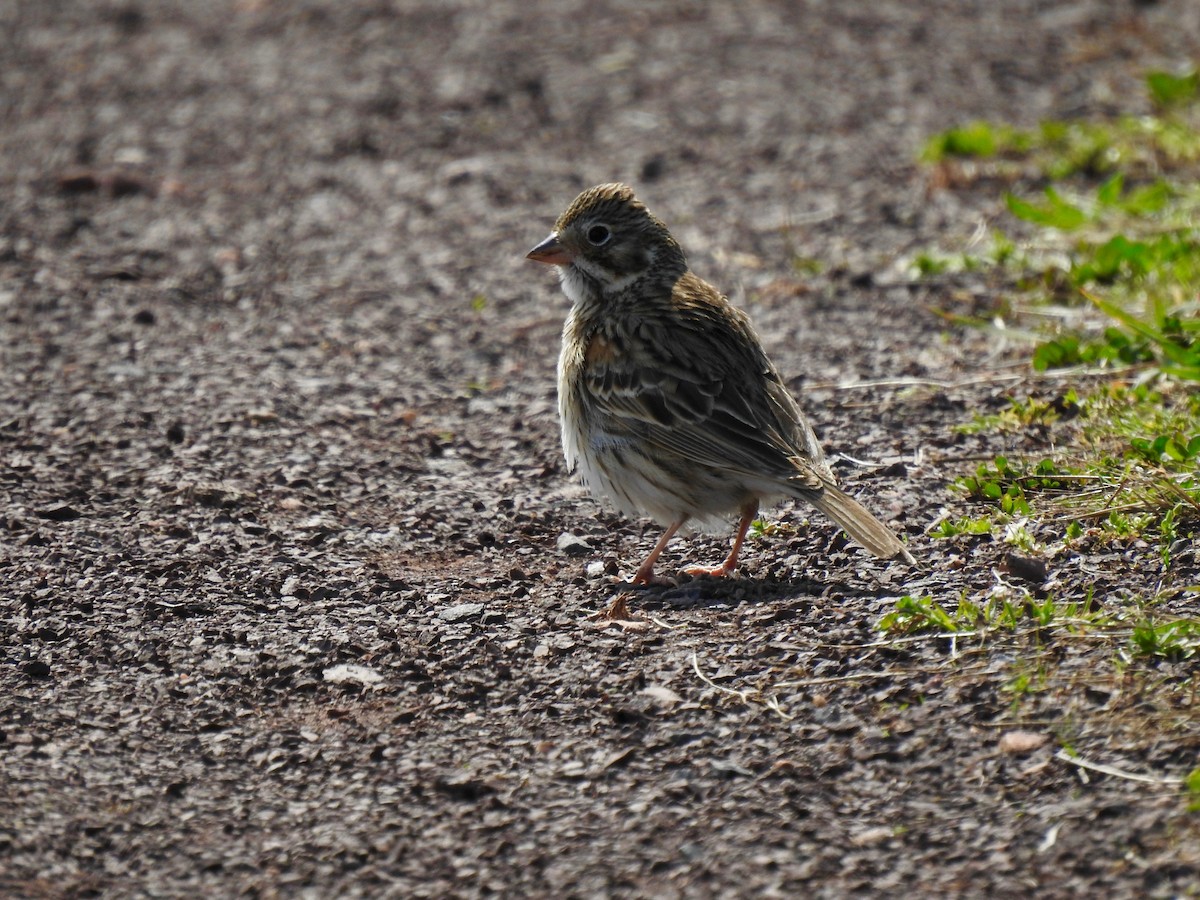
[461, 612]
[573, 544]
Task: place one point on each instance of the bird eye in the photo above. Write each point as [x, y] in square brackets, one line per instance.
[598, 235]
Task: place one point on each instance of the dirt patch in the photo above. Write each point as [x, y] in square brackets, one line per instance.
[277, 396]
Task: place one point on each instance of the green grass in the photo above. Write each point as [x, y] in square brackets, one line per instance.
[1096, 264]
[1127, 452]
[1175, 640]
[1031, 627]
[965, 525]
[1001, 611]
[1058, 150]
[1104, 225]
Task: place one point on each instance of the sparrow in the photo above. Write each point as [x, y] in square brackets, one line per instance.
[668, 403]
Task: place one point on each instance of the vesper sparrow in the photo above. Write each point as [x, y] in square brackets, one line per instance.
[669, 405]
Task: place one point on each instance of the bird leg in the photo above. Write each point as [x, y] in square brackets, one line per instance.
[645, 572]
[749, 511]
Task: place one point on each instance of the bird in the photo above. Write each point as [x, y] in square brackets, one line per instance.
[668, 403]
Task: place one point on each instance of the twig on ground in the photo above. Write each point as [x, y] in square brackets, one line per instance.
[1115, 772]
[771, 703]
[741, 695]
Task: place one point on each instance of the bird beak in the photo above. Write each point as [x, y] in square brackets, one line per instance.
[551, 252]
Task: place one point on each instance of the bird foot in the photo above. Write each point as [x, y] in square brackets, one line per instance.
[644, 577]
[722, 571]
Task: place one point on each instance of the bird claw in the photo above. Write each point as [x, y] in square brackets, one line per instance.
[722, 571]
[650, 580]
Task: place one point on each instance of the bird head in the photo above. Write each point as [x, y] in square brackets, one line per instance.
[606, 241]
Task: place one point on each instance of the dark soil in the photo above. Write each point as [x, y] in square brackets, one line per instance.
[277, 399]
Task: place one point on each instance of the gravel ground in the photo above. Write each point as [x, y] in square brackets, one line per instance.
[296, 591]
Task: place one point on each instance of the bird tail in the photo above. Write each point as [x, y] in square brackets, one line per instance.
[859, 523]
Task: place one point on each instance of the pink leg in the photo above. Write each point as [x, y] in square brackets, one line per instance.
[749, 511]
[645, 572]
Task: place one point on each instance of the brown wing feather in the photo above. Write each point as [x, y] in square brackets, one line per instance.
[691, 378]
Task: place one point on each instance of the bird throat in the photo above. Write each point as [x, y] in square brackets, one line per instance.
[585, 281]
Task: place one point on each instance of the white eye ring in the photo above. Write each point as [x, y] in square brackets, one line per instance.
[599, 235]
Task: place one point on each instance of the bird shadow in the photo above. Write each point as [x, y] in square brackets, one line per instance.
[704, 591]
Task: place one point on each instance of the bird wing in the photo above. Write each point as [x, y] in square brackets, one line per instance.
[692, 380]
